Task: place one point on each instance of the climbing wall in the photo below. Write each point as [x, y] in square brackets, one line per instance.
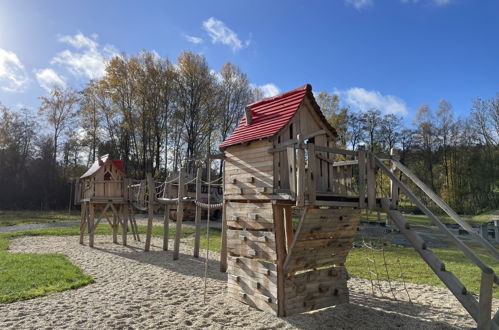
[252, 256]
[315, 273]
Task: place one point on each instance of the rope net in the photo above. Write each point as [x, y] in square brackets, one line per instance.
[384, 269]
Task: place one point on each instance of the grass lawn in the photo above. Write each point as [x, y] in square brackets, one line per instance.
[10, 218]
[29, 275]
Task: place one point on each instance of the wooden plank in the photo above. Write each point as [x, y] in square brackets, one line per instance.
[301, 178]
[394, 190]
[292, 170]
[280, 240]
[251, 244]
[180, 214]
[452, 283]
[223, 243]
[288, 221]
[312, 169]
[197, 218]
[295, 239]
[335, 150]
[362, 178]
[447, 209]
[485, 300]
[371, 182]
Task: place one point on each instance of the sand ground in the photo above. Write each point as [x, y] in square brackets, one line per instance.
[137, 290]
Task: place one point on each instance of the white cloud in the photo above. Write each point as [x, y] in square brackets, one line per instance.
[13, 77]
[48, 78]
[192, 39]
[267, 90]
[90, 59]
[360, 4]
[221, 33]
[362, 99]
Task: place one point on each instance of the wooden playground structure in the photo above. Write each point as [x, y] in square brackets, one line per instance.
[282, 160]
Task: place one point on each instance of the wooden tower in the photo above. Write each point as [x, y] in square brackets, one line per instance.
[278, 163]
[101, 189]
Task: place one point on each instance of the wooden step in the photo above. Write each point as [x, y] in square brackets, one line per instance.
[449, 279]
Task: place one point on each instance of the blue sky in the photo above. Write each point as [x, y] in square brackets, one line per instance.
[390, 54]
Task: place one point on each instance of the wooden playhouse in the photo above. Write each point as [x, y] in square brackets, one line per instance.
[103, 188]
[278, 157]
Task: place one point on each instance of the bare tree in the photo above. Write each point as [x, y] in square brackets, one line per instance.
[59, 111]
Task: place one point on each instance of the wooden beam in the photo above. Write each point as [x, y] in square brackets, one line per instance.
[166, 217]
[280, 239]
[283, 146]
[150, 209]
[180, 214]
[197, 219]
[300, 176]
[223, 243]
[336, 150]
[371, 182]
[91, 229]
[452, 283]
[292, 170]
[485, 300]
[312, 173]
[362, 178]
[394, 190]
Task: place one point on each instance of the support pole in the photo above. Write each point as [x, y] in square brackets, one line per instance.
[371, 182]
[124, 211]
[197, 219]
[150, 208]
[280, 239]
[83, 221]
[166, 217]
[496, 230]
[91, 227]
[115, 227]
[180, 214]
[394, 189]
[485, 300]
[362, 178]
[300, 168]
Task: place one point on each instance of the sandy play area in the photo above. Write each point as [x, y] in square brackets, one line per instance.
[137, 290]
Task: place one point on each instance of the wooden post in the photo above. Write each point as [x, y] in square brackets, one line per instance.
[496, 230]
[292, 169]
[150, 209]
[180, 213]
[124, 207]
[91, 228]
[362, 178]
[115, 227]
[371, 182]
[394, 190]
[197, 219]
[223, 247]
[484, 230]
[312, 168]
[288, 217]
[485, 300]
[166, 217]
[280, 240]
[300, 168]
[83, 220]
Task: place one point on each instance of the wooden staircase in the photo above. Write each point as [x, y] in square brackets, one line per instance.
[480, 310]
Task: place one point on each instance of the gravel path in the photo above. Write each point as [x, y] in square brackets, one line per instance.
[137, 290]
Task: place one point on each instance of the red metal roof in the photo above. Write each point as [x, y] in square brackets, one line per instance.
[271, 114]
[97, 165]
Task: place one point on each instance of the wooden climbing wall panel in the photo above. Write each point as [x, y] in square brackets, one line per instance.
[323, 238]
[252, 254]
[315, 289]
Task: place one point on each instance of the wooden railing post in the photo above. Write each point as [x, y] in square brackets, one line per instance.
[485, 299]
[371, 182]
[291, 169]
[180, 213]
[394, 190]
[300, 176]
[362, 178]
[312, 166]
[197, 219]
[150, 209]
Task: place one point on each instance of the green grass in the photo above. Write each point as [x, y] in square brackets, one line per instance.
[29, 275]
[11, 218]
[422, 219]
[404, 264]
